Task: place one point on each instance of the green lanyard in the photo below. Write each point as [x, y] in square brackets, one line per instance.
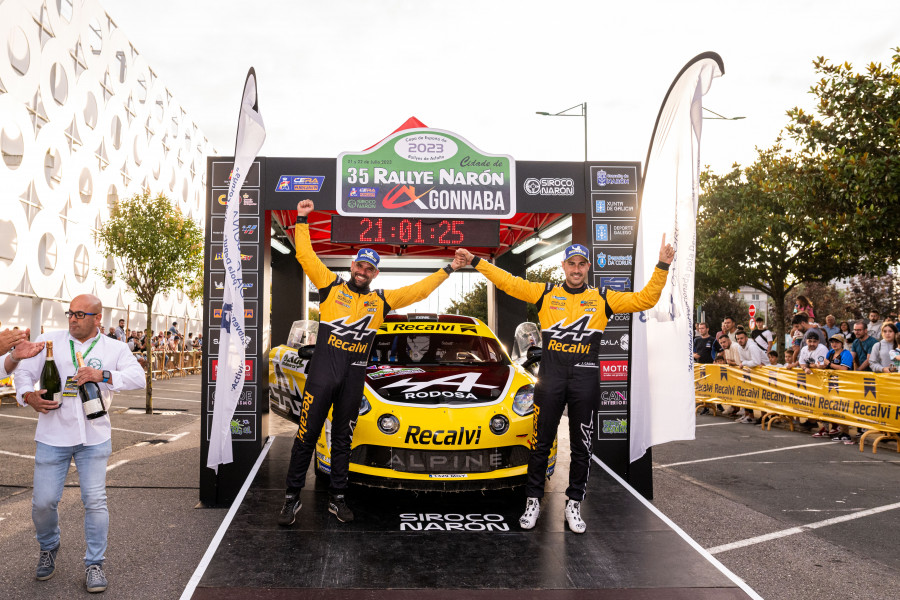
[72, 348]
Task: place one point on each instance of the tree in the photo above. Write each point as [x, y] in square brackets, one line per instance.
[474, 302]
[723, 304]
[156, 250]
[866, 293]
[825, 298]
[764, 226]
[854, 137]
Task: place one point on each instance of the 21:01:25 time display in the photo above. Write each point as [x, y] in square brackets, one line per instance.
[415, 231]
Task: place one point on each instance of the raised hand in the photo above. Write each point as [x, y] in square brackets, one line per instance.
[27, 349]
[666, 252]
[304, 207]
[465, 255]
[458, 262]
[10, 338]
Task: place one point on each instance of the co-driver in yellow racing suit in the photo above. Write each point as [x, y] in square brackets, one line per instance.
[349, 319]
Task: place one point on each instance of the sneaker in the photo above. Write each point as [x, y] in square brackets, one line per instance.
[532, 511]
[751, 421]
[289, 511]
[852, 442]
[834, 431]
[46, 566]
[573, 516]
[94, 579]
[842, 437]
[337, 505]
[821, 433]
[741, 413]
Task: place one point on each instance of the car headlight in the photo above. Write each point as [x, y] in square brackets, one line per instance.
[523, 404]
[364, 406]
[499, 424]
[388, 424]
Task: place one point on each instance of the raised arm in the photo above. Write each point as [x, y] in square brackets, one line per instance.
[522, 289]
[317, 272]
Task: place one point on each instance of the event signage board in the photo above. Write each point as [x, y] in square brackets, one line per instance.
[428, 173]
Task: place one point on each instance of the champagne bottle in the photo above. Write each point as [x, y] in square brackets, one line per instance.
[89, 391]
[50, 379]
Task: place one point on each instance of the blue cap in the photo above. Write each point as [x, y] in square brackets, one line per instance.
[368, 255]
[578, 250]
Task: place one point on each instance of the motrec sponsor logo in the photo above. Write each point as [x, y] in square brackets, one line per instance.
[614, 370]
[550, 186]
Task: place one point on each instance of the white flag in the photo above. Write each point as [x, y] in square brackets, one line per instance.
[662, 366]
[251, 133]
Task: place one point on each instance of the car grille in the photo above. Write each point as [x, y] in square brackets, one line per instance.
[407, 460]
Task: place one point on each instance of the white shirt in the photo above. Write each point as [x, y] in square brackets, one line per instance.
[67, 425]
[818, 355]
[3, 373]
[752, 355]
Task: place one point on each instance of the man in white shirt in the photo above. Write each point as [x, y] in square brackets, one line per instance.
[751, 354]
[63, 433]
[120, 331]
[812, 356]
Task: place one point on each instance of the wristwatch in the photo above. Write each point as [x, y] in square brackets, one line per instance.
[107, 376]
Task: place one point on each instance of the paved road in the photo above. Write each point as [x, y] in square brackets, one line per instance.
[731, 499]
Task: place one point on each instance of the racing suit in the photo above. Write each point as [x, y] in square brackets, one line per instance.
[572, 323]
[349, 317]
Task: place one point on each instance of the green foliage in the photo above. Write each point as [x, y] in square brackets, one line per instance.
[853, 136]
[156, 248]
[474, 302]
[825, 299]
[723, 304]
[866, 293]
[312, 313]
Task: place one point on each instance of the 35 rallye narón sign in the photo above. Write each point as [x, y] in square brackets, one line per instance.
[426, 172]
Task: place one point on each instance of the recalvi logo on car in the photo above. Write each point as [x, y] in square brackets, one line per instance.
[442, 437]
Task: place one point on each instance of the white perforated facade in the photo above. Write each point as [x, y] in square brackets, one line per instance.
[84, 120]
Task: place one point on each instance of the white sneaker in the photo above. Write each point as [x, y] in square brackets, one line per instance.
[532, 511]
[573, 517]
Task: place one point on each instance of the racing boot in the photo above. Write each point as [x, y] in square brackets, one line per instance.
[532, 511]
[289, 511]
[573, 516]
[337, 505]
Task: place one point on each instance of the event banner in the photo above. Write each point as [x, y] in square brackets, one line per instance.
[855, 398]
[426, 172]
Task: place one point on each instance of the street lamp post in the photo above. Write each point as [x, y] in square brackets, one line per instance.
[566, 113]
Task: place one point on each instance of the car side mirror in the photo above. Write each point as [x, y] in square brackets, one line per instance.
[306, 352]
[532, 355]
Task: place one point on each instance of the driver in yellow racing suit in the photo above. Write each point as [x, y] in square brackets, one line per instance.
[350, 314]
[573, 316]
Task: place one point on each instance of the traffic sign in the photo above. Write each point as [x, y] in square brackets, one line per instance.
[752, 310]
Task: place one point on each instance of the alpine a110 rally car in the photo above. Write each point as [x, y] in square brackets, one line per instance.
[443, 405]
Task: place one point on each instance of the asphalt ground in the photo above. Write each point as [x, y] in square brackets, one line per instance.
[793, 481]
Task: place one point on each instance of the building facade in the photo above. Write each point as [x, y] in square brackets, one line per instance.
[84, 121]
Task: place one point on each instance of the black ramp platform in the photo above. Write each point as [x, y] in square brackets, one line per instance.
[453, 545]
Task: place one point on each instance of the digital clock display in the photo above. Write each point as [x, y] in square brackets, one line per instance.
[414, 231]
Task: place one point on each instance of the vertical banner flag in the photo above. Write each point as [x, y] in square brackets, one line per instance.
[251, 133]
[662, 369]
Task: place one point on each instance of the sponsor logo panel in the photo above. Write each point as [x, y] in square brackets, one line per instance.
[249, 202]
[613, 260]
[246, 401]
[221, 175]
[613, 370]
[249, 228]
[250, 283]
[453, 521]
[616, 283]
[613, 399]
[244, 427]
[610, 206]
[249, 369]
[249, 257]
[612, 426]
[300, 183]
[615, 343]
[251, 313]
[614, 232]
[250, 336]
[613, 178]
[549, 186]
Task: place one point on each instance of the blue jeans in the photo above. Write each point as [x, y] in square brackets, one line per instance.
[51, 464]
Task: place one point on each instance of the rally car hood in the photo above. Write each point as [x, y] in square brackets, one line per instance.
[430, 385]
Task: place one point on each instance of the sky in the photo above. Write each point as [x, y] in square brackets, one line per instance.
[339, 75]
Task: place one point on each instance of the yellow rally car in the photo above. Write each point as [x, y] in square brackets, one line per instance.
[444, 407]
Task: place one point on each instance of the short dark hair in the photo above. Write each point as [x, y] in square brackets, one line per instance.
[813, 336]
[740, 332]
[773, 353]
[801, 317]
[729, 317]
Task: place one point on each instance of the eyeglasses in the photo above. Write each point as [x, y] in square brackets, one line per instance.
[78, 314]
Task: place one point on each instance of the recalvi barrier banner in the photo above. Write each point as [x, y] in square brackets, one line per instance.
[855, 398]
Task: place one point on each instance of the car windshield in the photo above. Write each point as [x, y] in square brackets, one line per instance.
[436, 349]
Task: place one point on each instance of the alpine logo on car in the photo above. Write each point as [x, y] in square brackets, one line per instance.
[464, 383]
[442, 437]
[576, 329]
